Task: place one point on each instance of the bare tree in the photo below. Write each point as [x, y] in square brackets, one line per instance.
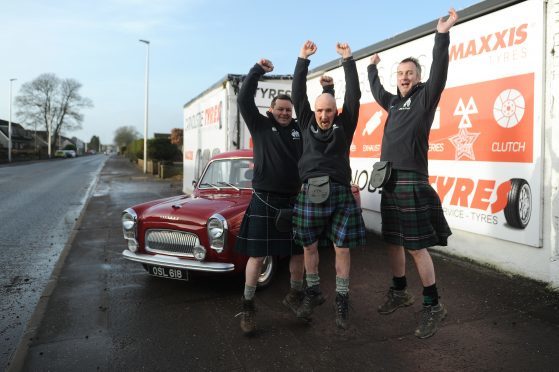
[125, 135]
[53, 103]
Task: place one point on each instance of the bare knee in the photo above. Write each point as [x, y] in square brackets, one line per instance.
[418, 253]
[257, 261]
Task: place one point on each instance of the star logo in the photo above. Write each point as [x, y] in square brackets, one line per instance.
[464, 144]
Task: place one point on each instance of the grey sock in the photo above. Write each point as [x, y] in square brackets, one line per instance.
[312, 279]
[297, 285]
[249, 292]
[342, 285]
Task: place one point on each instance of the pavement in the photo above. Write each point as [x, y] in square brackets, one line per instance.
[101, 312]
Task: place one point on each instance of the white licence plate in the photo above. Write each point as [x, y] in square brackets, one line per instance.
[167, 272]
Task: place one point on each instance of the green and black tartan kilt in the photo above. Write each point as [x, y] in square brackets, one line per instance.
[337, 219]
[412, 214]
[258, 235]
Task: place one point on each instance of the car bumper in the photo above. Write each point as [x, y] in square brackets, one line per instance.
[178, 263]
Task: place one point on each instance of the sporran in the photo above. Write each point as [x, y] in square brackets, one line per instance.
[380, 174]
[284, 219]
[284, 216]
[318, 189]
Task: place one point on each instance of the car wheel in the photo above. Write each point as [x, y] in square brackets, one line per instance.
[519, 204]
[268, 270]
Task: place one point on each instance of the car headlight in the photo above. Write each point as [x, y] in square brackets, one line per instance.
[129, 224]
[132, 245]
[199, 252]
[217, 232]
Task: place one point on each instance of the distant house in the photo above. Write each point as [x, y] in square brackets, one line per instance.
[32, 143]
[21, 138]
[26, 142]
[42, 141]
[61, 141]
[80, 145]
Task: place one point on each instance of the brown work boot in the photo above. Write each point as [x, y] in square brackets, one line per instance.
[248, 315]
[313, 298]
[293, 299]
[395, 300]
[431, 318]
[342, 310]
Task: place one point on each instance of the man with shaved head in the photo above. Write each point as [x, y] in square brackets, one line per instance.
[325, 208]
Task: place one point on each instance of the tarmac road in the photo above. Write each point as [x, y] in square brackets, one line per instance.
[40, 202]
[105, 313]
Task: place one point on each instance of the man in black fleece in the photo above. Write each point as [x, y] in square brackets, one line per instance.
[327, 138]
[277, 149]
[412, 215]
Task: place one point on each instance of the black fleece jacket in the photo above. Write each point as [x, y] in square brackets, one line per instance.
[277, 149]
[405, 142]
[326, 152]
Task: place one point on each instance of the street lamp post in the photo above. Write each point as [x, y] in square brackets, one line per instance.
[36, 155]
[10, 125]
[146, 106]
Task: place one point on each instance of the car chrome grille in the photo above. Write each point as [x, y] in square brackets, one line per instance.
[174, 242]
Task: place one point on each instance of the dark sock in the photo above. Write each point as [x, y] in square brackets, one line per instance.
[399, 283]
[430, 295]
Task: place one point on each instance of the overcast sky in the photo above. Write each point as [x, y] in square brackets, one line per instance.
[194, 43]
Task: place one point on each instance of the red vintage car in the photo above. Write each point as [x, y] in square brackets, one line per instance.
[173, 236]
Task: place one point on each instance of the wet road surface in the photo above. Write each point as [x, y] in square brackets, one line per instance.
[107, 314]
[39, 205]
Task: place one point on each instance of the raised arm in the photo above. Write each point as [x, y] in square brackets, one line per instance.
[299, 85]
[327, 84]
[308, 49]
[443, 26]
[382, 97]
[245, 99]
[352, 91]
[439, 67]
[343, 50]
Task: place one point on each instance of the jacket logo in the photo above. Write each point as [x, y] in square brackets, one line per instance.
[406, 105]
[295, 134]
[274, 129]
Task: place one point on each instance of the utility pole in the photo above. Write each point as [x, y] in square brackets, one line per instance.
[10, 124]
[146, 107]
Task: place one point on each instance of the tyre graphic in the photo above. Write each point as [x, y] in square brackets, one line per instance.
[519, 204]
[508, 108]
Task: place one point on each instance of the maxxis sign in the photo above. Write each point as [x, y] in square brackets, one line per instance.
[485, 146]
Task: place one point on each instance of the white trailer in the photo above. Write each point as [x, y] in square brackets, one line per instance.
[213, 123]
[494, 148]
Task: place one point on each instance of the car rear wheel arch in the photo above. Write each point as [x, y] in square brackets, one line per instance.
[268, 270]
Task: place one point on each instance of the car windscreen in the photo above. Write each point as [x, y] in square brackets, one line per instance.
[228, 173]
